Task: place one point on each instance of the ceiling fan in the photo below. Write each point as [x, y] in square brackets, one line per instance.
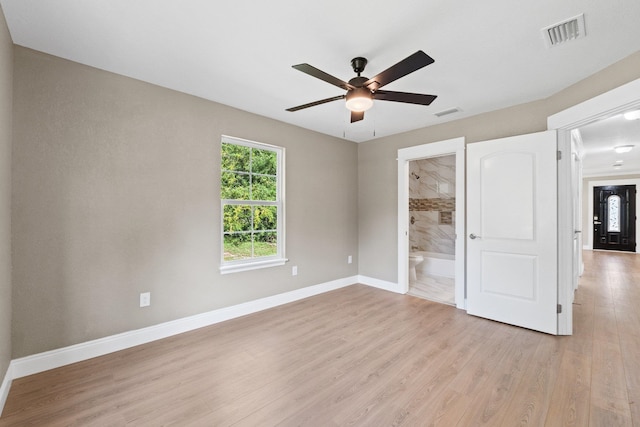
[361, 91]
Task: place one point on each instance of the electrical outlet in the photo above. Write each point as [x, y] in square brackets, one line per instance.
[294, 270]
[349, 259]
[145, 299]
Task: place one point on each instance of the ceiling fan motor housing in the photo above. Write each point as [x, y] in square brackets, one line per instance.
[358, 81]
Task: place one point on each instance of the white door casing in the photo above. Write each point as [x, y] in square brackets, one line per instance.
[576, 201]
[608, 104]
[405, 155]
[512, 230]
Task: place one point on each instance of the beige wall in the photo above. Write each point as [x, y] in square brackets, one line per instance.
[6, 89]
[377, 165]
[116, 192]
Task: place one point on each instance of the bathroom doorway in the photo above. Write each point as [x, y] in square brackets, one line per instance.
[432, 234]
[431, 262]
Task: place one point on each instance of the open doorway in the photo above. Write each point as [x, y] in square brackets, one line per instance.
[607, 105]
[610, 169]
[438, 197]
[432, 234]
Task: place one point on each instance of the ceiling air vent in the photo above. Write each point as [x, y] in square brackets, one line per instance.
[564, 31]
[447, 112]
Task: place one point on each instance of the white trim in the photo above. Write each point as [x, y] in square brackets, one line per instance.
[255, 265]
[592, 184]
[597, 173]
[565, 234]
[605, 105]
[451, 146]
[602, 106]
[4, 388]
[381, 284]
[577, 154]
[63, 356]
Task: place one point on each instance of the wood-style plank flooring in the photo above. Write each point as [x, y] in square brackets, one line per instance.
[360, 356]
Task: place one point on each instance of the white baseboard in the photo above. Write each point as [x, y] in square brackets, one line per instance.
[4, 387]
[64, 356]
[380, 284]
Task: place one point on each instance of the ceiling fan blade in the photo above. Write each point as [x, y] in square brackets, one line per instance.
[401, 69]
[356, 116]
[313, 104]
[409, 98]
[319, 74]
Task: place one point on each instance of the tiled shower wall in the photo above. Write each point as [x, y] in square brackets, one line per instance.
[432, 190]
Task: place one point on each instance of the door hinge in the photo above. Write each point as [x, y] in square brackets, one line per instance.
[559, 155]
[559, 309]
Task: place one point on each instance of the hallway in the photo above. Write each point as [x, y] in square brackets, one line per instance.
[605, 346]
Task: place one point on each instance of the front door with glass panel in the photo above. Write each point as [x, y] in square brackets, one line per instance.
[614, 217]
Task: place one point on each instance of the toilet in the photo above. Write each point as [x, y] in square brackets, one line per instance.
[414, 259]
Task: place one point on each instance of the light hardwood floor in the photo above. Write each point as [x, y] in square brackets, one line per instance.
[365, 357]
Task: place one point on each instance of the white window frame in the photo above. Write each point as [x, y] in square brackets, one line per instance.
[265, 261]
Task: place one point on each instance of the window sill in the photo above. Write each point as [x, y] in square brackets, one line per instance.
[236, 268]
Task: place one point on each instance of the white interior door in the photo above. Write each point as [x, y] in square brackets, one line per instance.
[512, 231]
[576, 197]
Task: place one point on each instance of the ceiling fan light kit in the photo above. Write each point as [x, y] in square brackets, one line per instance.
[359, 99]
[361, 91]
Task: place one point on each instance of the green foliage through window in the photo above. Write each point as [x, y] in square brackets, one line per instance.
[249, 193]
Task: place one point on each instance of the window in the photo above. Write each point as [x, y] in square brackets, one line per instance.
[613, 203]
[251, 193]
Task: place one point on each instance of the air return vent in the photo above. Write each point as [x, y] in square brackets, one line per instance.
[447, 112]
[564, 31]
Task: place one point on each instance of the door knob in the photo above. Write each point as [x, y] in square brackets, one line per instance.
[473, 236]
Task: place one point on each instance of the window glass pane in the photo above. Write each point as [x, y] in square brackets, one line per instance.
[237, 246]
[252, 208]
[264, 162]
[265, 218]
[264, 188]
[235, 157]
[265, 244]
[235, 186]
[613, 203]
[236, 218]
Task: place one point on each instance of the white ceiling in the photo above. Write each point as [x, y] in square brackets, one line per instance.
[600, 138]
[488, 54]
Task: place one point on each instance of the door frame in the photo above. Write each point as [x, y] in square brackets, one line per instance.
[455, 146]
[577, 153]
[603, 183]
[608, 104]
